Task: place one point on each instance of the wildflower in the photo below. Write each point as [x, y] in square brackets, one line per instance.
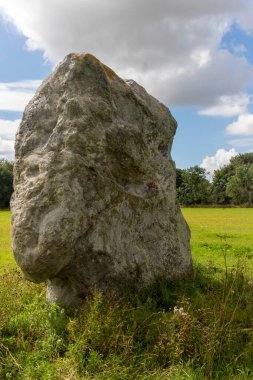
[179, 311]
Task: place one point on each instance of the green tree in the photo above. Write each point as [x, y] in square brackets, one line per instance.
[179, 179]
[222, 176]
[240, 185]
[242, 159]
[219, 185]
[6, 182]
[193, 186]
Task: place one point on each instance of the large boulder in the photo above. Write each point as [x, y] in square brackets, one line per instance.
[95, 198]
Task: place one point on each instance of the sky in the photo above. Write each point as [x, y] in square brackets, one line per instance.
[195, 56]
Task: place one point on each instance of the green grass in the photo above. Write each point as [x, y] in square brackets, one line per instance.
[217, 232]
[5, 240]
[213, 232]
[199, 328]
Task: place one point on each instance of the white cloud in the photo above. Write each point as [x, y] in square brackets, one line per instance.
[243, 125]
[201, 56]
[239, 49]
[6, 149]
[8, 129]
[228, 106]
[14, 96]
[242, 143]
[222, 157]
[170, 47]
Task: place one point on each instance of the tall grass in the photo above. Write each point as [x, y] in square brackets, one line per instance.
[199, 329]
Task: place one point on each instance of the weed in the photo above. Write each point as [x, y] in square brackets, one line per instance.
[204, 331]
[199, 328]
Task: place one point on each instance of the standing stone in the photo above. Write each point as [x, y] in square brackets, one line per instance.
[95, 196]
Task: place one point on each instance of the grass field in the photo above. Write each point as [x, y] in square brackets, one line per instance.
[213, 232]
[199, 329]
[5, 240]
[217, 232]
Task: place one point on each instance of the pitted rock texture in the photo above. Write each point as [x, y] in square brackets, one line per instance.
[95, 198]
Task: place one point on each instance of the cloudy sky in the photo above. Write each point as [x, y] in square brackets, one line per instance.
[195, 56]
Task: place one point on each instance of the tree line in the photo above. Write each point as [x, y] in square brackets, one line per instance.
[231, 185]
[6, 182]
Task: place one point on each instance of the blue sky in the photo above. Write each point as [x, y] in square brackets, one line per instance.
[197, 59]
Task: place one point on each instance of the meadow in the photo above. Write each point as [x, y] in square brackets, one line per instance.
[199, 328]
[5, 240]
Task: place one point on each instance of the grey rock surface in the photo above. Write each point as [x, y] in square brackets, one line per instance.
[95, 200]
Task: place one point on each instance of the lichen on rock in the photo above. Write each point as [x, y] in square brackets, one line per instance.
[95, 198]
